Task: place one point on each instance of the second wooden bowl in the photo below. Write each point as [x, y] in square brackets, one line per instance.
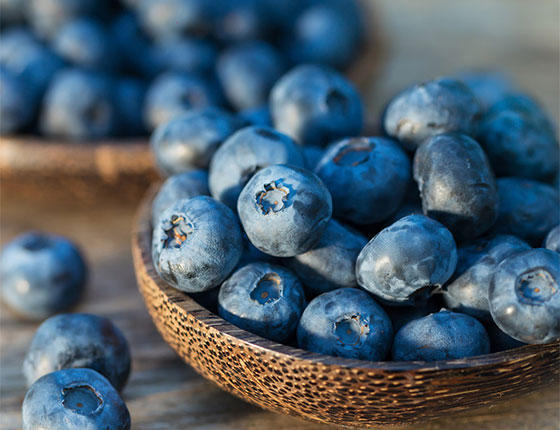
[323, 388]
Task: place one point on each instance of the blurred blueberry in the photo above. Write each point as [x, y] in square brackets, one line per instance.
[316, 105]
[407, 259]
[327, 32]
[184, 185]
[402, 315]
[187, 55]
[524, 105]
[366, 176]
[247, 71]
[346, 323]
[442, 105]
[487, 86]
[441, 336]
[46, 17]
[190, 140]
[281, 14]
[312, 154]
[196, 244]
[284, 210]
[79, 105]
[456, 184]
[259, 115]
[129, 99]
[528, 209]
[12, 12]
[244, 153]
[17, 104]
[41, 274]
[86, 43]
[173, 94]
[78, 340]
[28, 59]
[171, 19]
[240, 20]
[524, 297]
[500, 341]
[73, 399]
[467, 291]
[552, 240]
[265, 299]
[331, 264]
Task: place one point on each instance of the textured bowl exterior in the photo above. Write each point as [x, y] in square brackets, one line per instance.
[328, 389]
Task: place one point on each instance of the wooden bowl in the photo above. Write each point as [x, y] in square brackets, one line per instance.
[323, 388]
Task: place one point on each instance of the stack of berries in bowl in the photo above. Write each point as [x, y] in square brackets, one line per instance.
[91, 69]
[436, 240]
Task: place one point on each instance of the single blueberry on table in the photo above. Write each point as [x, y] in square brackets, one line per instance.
[73, 399]
[172, 94]
[79, 105]
[17, 104]
[552, 240]
[284, 210]
[456, 184]
[245, 152]
[407, 259]
[524, 297]
[316, 105]
[331, 264]
[528, 209]
[85, 43]
[41, 274]
[184, 185]
[488, 86]
[443, 335]
[186, 55]
[196, 243]
[467, 291]
[346, 323]
[265, 299]
[442, 105]
[78, 340]
[259, 115]
[190, 140]
[129, 99]
[248, 71]
[366, 176]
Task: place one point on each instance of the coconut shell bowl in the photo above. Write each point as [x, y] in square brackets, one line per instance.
[322, 388]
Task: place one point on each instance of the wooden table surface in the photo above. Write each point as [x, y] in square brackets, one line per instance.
[430, 37]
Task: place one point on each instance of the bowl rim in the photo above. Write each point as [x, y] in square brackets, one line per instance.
[141, 241]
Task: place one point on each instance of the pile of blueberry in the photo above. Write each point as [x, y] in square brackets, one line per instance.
[76, 363]
[436, 240]
[89, 69]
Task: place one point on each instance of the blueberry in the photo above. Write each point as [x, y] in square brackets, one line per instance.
[85, 43]
[79, 105]
[41, 274]
[259, 115]
[346, 323]
[406, 259]
[284, 210]
[196, 244]
[467, 291]
[456, 184]
[441, 336]
[247, 71]
[264, 299]
[173, 94]
[524, 298]
[241, 20]
[244, 153]
[402, 315]
[129, 98]
[327, 33]
[312, 155]
[316, 105]
[552, 240]
[518, 145]
[17, 104]
[500, 341]
[184, 185]
[488, 86]
[367, 178]
[187, 55]
[78, 340]
[72, 399]
[524, 105]
[47, 17]
[528, 209]
[252, 255]
[442, 105]
[331, 264]
[190, 140]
